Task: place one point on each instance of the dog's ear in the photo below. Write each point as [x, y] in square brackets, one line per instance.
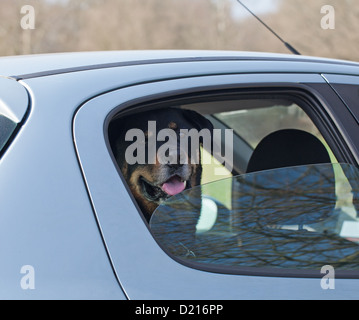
[199, 121]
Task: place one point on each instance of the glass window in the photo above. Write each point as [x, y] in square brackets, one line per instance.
[287, 218]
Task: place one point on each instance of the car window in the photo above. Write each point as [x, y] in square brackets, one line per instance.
[268, 182]
[286, 218]
[222, 133]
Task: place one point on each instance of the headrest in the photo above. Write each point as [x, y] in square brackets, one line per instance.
[302, 194]
[287, 148]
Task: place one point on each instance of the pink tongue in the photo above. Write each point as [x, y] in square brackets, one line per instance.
[173, 186]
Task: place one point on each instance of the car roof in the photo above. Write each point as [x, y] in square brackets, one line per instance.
[29, 66]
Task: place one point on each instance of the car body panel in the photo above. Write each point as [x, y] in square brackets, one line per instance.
[65, 209]
[39, 65]
[46, 218]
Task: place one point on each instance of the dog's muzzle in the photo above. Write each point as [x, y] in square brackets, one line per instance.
[172, 186]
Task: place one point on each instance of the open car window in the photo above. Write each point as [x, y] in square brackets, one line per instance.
[301, 218]
[254, 123]
[272, 190]
[226, 129]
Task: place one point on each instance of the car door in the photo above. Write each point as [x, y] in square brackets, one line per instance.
[143, 266]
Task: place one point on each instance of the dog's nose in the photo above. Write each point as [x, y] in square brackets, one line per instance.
[176, 158]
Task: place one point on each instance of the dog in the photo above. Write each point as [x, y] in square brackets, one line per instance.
[153, 182]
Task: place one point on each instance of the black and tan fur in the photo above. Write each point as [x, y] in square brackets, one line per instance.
[145, 180]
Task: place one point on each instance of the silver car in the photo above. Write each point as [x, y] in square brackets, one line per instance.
[275, 215]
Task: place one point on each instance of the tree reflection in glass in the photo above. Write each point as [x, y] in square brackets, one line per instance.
[282, 218]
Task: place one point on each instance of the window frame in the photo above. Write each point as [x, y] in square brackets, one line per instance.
[346, 87]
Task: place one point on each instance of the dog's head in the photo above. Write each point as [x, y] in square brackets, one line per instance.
[158, 163]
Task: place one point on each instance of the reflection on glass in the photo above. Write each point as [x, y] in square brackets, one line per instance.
[282, 218]
[7, 127]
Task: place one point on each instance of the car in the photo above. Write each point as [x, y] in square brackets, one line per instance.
[275, 215]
